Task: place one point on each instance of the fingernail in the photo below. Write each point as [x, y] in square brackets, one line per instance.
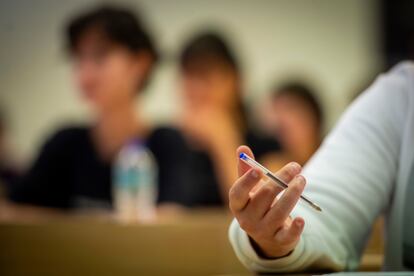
[300, 179]
[299, 223]
[254, 173]
[295, 167]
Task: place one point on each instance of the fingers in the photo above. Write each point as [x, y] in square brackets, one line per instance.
[289, 171]
[261, 201]
[262, 198]
[239, 192]
[291, 233]
[284, 205]
[264, 218]
[286, 173]
[243, 167]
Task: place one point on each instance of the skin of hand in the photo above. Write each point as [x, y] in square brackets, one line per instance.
[266, 220]
[211, 127]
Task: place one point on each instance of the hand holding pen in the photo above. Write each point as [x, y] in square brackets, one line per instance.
[266, 220]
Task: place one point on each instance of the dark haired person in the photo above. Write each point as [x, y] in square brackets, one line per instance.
[214, 121]
[113, 56]
[293, 115]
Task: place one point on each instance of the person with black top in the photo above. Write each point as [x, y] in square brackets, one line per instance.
[214, 120]
[113, 56]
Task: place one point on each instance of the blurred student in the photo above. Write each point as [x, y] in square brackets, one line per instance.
[113, 56]
[9, 166]
[294, 116]
[214, 120]
[364, 168]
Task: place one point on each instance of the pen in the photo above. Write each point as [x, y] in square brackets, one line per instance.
[253, 163]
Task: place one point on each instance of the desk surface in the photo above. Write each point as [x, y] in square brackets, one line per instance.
[83, 245]
[192, 244]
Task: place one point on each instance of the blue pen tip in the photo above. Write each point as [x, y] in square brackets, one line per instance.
[242, 155]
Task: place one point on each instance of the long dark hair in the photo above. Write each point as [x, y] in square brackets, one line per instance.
[211, 49]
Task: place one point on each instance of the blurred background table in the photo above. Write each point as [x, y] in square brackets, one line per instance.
[44, 242]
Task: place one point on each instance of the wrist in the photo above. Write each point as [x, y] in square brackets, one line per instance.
[269, 254]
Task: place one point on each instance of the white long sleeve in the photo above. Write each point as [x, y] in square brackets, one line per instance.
[351, 177]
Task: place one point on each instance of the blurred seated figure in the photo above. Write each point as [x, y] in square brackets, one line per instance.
[9, 166]
[113, 56]
[214, 120]
[294, 115]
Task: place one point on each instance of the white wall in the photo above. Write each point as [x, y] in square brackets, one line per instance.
[333, 42]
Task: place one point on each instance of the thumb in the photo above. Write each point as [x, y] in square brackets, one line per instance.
[243, 167]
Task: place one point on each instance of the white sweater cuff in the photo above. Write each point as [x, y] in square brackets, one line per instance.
[249, 257]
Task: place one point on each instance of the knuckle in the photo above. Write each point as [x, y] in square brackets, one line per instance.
[296, 189]
[293, 168]
[284, 175]
[269, 188]
[290, 170]
[249, 226]
[287, 171]
[276, 221]
[234, 194]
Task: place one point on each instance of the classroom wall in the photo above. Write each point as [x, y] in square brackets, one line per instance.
[334, 43]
